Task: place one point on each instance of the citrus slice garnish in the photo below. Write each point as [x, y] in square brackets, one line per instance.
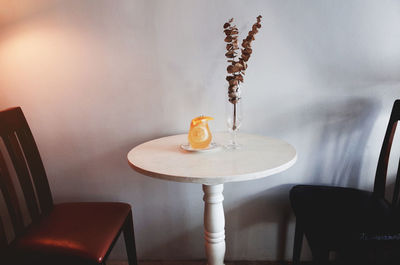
[199, 119]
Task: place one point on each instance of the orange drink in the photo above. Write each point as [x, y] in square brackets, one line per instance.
[199, 134]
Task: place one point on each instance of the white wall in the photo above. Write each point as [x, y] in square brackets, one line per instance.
[96, 78]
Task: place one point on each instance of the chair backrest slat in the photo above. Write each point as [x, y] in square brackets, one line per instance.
[11, 198]
[17, 157]
[37, 169]
[31, 176]
[3, 237]
[381, 171]
[396, 191]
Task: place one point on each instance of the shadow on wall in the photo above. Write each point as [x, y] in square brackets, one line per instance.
[338, 150]
[269, 206]
[337, 134]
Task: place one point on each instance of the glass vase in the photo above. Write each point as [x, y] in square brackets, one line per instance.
[234, 114]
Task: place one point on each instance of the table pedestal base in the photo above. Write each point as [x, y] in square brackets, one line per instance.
[214, 224]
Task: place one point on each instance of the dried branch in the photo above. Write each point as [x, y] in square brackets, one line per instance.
[237, 66]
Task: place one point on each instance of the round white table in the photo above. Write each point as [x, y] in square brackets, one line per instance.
[259, 157]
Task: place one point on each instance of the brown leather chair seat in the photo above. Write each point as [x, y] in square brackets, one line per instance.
[84, 229]
[81, 233]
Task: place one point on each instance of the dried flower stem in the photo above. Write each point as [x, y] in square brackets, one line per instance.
[234, 127]
[236, 69]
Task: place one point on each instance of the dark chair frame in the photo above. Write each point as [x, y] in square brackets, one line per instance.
[378, 191]
[31, 175]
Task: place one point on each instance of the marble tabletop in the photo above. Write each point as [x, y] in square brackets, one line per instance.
[259, 157]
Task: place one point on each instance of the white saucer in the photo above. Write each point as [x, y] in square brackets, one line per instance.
[211, 147]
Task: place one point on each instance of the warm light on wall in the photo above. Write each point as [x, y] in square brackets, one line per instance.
[34, 58]
[41, 57]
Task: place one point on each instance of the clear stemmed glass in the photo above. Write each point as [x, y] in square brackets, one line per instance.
[234, 121]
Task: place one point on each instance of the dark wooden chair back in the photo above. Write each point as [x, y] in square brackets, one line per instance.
[21, 150]
[381, 171]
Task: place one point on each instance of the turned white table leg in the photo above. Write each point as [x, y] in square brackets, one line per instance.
[214, 224]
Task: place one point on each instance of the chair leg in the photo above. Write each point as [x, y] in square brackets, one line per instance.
[298, 242]
[129, 236]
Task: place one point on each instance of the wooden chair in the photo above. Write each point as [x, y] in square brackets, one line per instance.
[349, 220]
[67, 233]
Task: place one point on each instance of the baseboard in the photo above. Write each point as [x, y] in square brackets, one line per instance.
[202, 262]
